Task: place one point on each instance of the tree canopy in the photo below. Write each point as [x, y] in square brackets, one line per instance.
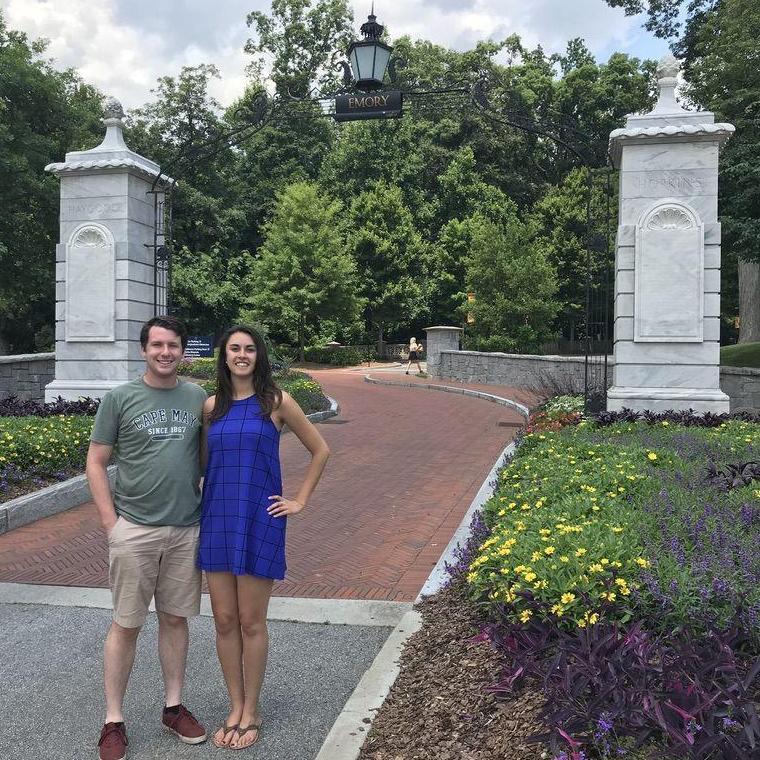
[403, 204]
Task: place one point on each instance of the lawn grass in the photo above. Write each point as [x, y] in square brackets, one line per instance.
[740, 355]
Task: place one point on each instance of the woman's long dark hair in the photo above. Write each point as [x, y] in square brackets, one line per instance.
[268, 394]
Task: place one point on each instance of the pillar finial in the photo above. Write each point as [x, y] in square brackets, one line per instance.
[667, 78]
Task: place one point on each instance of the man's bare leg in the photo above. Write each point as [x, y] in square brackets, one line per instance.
[118, 659]
[173, 640]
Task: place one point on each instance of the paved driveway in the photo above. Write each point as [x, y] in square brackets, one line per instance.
[405, 465]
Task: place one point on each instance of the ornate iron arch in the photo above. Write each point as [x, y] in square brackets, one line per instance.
[484, 95]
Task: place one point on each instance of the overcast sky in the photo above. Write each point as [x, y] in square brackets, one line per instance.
[123, 46]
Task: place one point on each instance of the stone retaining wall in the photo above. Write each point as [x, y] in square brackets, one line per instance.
[742, 386]
[26, 375]
[565, 374]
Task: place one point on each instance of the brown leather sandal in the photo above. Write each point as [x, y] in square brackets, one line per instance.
[243, 730]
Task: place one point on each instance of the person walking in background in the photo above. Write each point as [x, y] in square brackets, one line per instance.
[244, 515]
[152, 427]
[415, 349]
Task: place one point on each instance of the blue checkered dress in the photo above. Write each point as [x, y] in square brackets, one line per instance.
[243, 471]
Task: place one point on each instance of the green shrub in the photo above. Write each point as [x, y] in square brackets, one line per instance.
[200, 368]
[337, 357]
[559, 406]
[307, 394]
[306, 391]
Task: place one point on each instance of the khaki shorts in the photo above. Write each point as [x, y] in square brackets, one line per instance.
[147, 561]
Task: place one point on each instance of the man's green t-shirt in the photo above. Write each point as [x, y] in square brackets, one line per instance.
[155, 433]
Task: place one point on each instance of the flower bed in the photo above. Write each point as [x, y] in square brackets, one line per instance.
[623, 573]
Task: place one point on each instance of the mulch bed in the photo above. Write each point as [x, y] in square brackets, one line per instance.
[439, 707]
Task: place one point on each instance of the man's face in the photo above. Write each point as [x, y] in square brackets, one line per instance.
[163, 352]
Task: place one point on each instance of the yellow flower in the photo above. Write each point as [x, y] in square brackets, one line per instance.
[549, 550]
[535, 556]
[651, 456]
[641, 562]
[580, 552]
[526, 615]
[567, 598]
[558, 610]
[530, 577]
[596, 568]
[610, 596]
[581, 623]
[564, 558]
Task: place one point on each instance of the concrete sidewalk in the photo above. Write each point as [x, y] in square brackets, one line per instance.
[51, 698]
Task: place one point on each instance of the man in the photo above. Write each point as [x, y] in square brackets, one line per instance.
[152, 427]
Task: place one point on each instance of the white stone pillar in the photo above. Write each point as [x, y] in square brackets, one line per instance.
[667, 263]
[440, 339]
[104, 264]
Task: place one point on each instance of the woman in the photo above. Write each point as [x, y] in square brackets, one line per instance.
[242, 534]
[415, 349]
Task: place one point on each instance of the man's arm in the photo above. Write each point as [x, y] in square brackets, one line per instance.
[98, 457]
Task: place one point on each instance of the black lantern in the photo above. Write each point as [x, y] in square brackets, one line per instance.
[369, 58]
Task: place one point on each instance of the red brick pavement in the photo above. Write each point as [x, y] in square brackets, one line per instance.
[405, 466]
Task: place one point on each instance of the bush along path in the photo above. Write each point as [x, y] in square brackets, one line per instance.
[615, 573]
[42, 444]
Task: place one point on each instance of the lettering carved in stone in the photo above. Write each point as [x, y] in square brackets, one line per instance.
[89, 237]
[670, 218]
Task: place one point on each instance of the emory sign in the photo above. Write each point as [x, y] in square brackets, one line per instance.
[377, 105]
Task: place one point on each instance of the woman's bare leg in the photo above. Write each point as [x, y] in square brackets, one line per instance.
[253, 601]
[229, 645]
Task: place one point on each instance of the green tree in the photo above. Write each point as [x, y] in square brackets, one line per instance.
[303, 273]
[563, 233]
[302, 40]
[722, 56]
[43, 114]
[462, 194]
[389, 253]
[514, 287]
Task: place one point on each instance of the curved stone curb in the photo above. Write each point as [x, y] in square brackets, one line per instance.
[47, 501]
[331, 412]
[492, 397]
[75, 491]
[347, 735]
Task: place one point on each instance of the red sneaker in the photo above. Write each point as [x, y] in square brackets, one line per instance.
[113, 742]
[184, 725]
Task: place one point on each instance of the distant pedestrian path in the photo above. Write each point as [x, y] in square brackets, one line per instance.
[405, 465]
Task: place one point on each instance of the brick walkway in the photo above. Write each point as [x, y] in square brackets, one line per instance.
[405, 466]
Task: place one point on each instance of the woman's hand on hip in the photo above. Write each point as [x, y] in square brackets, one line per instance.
[282, 507]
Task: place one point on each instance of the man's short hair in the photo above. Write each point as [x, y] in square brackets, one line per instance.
[168, 323]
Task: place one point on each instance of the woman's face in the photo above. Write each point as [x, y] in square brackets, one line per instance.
[241, 354]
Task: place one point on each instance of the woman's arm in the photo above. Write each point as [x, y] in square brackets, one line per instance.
[208, 407]
[290, 414]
